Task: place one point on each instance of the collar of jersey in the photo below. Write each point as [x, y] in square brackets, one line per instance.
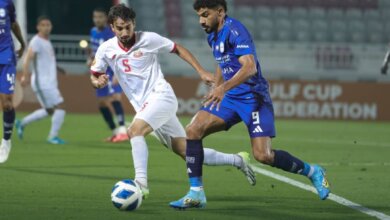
[133, 40]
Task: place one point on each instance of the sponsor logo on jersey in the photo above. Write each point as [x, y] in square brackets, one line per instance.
[227, 70]
[138, 54]
[2, 12]
[221, 47]
[242, 46]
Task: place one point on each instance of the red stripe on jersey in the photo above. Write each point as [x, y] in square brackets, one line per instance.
[174, 49]
[97, 74]
[132, 42]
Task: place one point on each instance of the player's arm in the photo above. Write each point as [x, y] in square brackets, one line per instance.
[385, 64]
[247, 70]
[187, 56]
[26, 67]
[99, 80]
[218, 77]
[18, 34]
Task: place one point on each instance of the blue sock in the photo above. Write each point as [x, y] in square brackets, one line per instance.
[306, 170]
[120, 113]
[8, 123]
[107, 117]
[194, 160]
[285, 161]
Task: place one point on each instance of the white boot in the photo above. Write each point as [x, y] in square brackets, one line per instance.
[5, 149]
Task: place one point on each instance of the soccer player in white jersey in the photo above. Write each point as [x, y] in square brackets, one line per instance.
[132, 55]
[43, 82]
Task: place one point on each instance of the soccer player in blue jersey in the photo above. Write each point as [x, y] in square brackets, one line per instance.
[8, 23]
[240, 94]
[109, 97]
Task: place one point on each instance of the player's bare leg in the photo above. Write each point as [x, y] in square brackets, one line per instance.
[137, 132]
[262, 152]
[8, 121]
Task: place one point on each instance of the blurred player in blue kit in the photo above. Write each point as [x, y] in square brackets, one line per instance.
[240, 93]
[109, 97]
[8, 23]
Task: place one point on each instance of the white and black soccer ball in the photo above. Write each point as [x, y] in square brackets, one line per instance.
[126, 195]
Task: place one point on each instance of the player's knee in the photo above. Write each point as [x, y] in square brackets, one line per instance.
[194, 132]
[133, 131]
[263, 156]
[7, 104]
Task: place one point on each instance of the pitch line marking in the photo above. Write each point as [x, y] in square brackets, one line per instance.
[333, 197]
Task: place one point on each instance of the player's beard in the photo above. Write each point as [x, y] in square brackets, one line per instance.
[125, 40]
[211, 28]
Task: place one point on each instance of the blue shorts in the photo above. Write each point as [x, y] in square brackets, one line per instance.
[256, 114]
[7, 78]
[110, 89]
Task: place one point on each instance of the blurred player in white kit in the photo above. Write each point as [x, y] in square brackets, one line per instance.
[43, 82]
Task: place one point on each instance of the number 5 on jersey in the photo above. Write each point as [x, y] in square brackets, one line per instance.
[126, 65]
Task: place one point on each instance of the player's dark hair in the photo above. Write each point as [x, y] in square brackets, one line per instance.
[120, 11]
[198, 4]
[41, 18]
[101, 10]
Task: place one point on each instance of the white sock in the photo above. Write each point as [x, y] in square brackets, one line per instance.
[216, 158]
[34, 116]
[56, 122]
[139, 149]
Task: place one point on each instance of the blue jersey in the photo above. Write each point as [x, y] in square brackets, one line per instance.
[99, 36]
[7, 17]
[231, 42]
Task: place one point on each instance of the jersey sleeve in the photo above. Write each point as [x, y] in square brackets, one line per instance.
[99, 65]
[11, 11]
[241, 42]
[34, 45]
[161, 44]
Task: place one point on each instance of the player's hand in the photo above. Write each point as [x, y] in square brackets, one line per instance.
[384, 69]
[214, 98]
[207, 77]
[102, 81]
[25, 80]
[20, 51]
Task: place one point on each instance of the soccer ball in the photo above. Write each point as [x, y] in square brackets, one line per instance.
[126, 195]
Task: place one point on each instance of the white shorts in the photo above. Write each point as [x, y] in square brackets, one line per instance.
[159, 111]
[49, 98]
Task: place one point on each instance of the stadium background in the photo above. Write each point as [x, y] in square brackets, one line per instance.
[322, 57]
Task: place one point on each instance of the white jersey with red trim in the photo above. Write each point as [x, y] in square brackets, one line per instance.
[137, 69]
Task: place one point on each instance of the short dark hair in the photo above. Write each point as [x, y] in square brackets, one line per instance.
[41, 18]
[120, 11]
[101, 10]
[198, 4]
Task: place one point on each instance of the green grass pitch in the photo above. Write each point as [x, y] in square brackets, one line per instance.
[74, 181]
